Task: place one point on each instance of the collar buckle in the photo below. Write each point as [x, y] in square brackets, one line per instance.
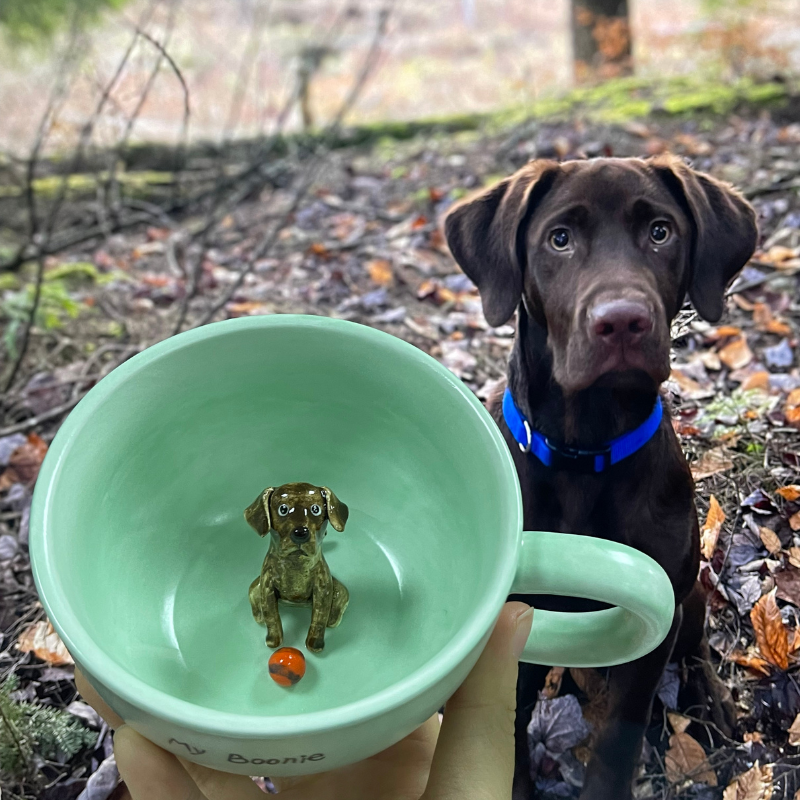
[573, 459]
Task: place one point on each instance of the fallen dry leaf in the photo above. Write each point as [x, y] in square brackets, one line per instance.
[736, 354]
[790, 493]
[710, 360]
[794, 521]
[762, 315]
[772, 638]
[26, 460]
[779, 253]
[711, 528]
[770, 540]
[788, 582]
[755, 736]
[687, 759]
[792, 408]
[45, 643]
[794, 556]
[778, 327]
[245, 309]
[689, 388]
[552, 683]
[794, 731]
[380, 271]
[711, 462]
[724, 332]
[678, 722]
[755, 784]
[751, 662]
[756, 380]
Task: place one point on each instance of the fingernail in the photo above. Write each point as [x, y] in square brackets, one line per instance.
[521, 632]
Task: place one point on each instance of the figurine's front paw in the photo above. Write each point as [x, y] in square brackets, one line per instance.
[315, 643]
[275, 638]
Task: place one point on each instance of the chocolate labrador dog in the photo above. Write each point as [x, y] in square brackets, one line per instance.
[597, 258]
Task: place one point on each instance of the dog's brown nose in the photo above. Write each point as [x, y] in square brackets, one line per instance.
[300, 535]
[617, 321]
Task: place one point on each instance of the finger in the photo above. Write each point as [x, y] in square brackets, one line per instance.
[475, 752]
[88, 693]
[149, 772]
[221, 785]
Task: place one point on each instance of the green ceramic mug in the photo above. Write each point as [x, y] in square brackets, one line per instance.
[143, 559]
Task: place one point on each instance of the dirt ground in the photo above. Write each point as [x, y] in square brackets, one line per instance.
[365, 245]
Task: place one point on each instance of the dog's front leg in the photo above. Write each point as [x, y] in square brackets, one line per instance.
[270, 613]
[321, 599]
[632, 688]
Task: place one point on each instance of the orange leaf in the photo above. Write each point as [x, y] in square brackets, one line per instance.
[757, 380]
[687, 759]
[790, 492]
[380, 271]
[27, 458]
[776, 326]
[778, 253]
[754, 663]
[711, 528]
[792, 408]
[684, 428]
[244, 309]
[45, 643]
[724, 331]
[419, 222]
[772, 638]
[736, 354]
[318, 249]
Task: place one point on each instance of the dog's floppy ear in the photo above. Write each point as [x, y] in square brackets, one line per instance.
[336, 510]
[725, 231]
[486, 232]
[257, 513]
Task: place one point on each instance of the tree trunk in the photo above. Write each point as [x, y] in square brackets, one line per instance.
[601, 38]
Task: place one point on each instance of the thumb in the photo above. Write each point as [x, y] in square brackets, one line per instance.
[475, 753]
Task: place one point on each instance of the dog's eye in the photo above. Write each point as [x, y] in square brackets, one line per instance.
[283, 509]
[559, 239]
[659, 232]
[316, 510]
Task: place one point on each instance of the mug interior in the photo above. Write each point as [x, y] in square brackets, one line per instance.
[144, 535]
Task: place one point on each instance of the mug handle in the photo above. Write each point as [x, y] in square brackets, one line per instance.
[597, 569]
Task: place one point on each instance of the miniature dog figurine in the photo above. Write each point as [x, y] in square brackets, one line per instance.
[294, 570]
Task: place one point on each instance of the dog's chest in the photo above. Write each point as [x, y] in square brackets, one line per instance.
[294, 584]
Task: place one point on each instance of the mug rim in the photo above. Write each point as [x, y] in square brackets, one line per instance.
[89, 656]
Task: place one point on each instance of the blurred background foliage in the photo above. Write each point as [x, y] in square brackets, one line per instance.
[32, 22]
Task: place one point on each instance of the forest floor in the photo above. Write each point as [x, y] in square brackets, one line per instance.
[365, 244]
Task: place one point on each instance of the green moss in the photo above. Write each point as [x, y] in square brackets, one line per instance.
[82, 184]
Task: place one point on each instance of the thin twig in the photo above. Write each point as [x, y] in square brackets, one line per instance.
[271, 237]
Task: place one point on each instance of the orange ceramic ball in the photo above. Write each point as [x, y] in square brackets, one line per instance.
[286, 666]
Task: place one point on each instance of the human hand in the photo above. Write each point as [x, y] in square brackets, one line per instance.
[469, 757]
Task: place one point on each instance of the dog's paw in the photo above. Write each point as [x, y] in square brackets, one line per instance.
[274, 638]
[709, 698]
[315, 643]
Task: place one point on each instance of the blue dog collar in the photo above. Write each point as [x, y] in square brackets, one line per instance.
[570, 458]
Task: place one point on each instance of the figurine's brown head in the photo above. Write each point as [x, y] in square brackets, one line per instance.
[297, 514]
